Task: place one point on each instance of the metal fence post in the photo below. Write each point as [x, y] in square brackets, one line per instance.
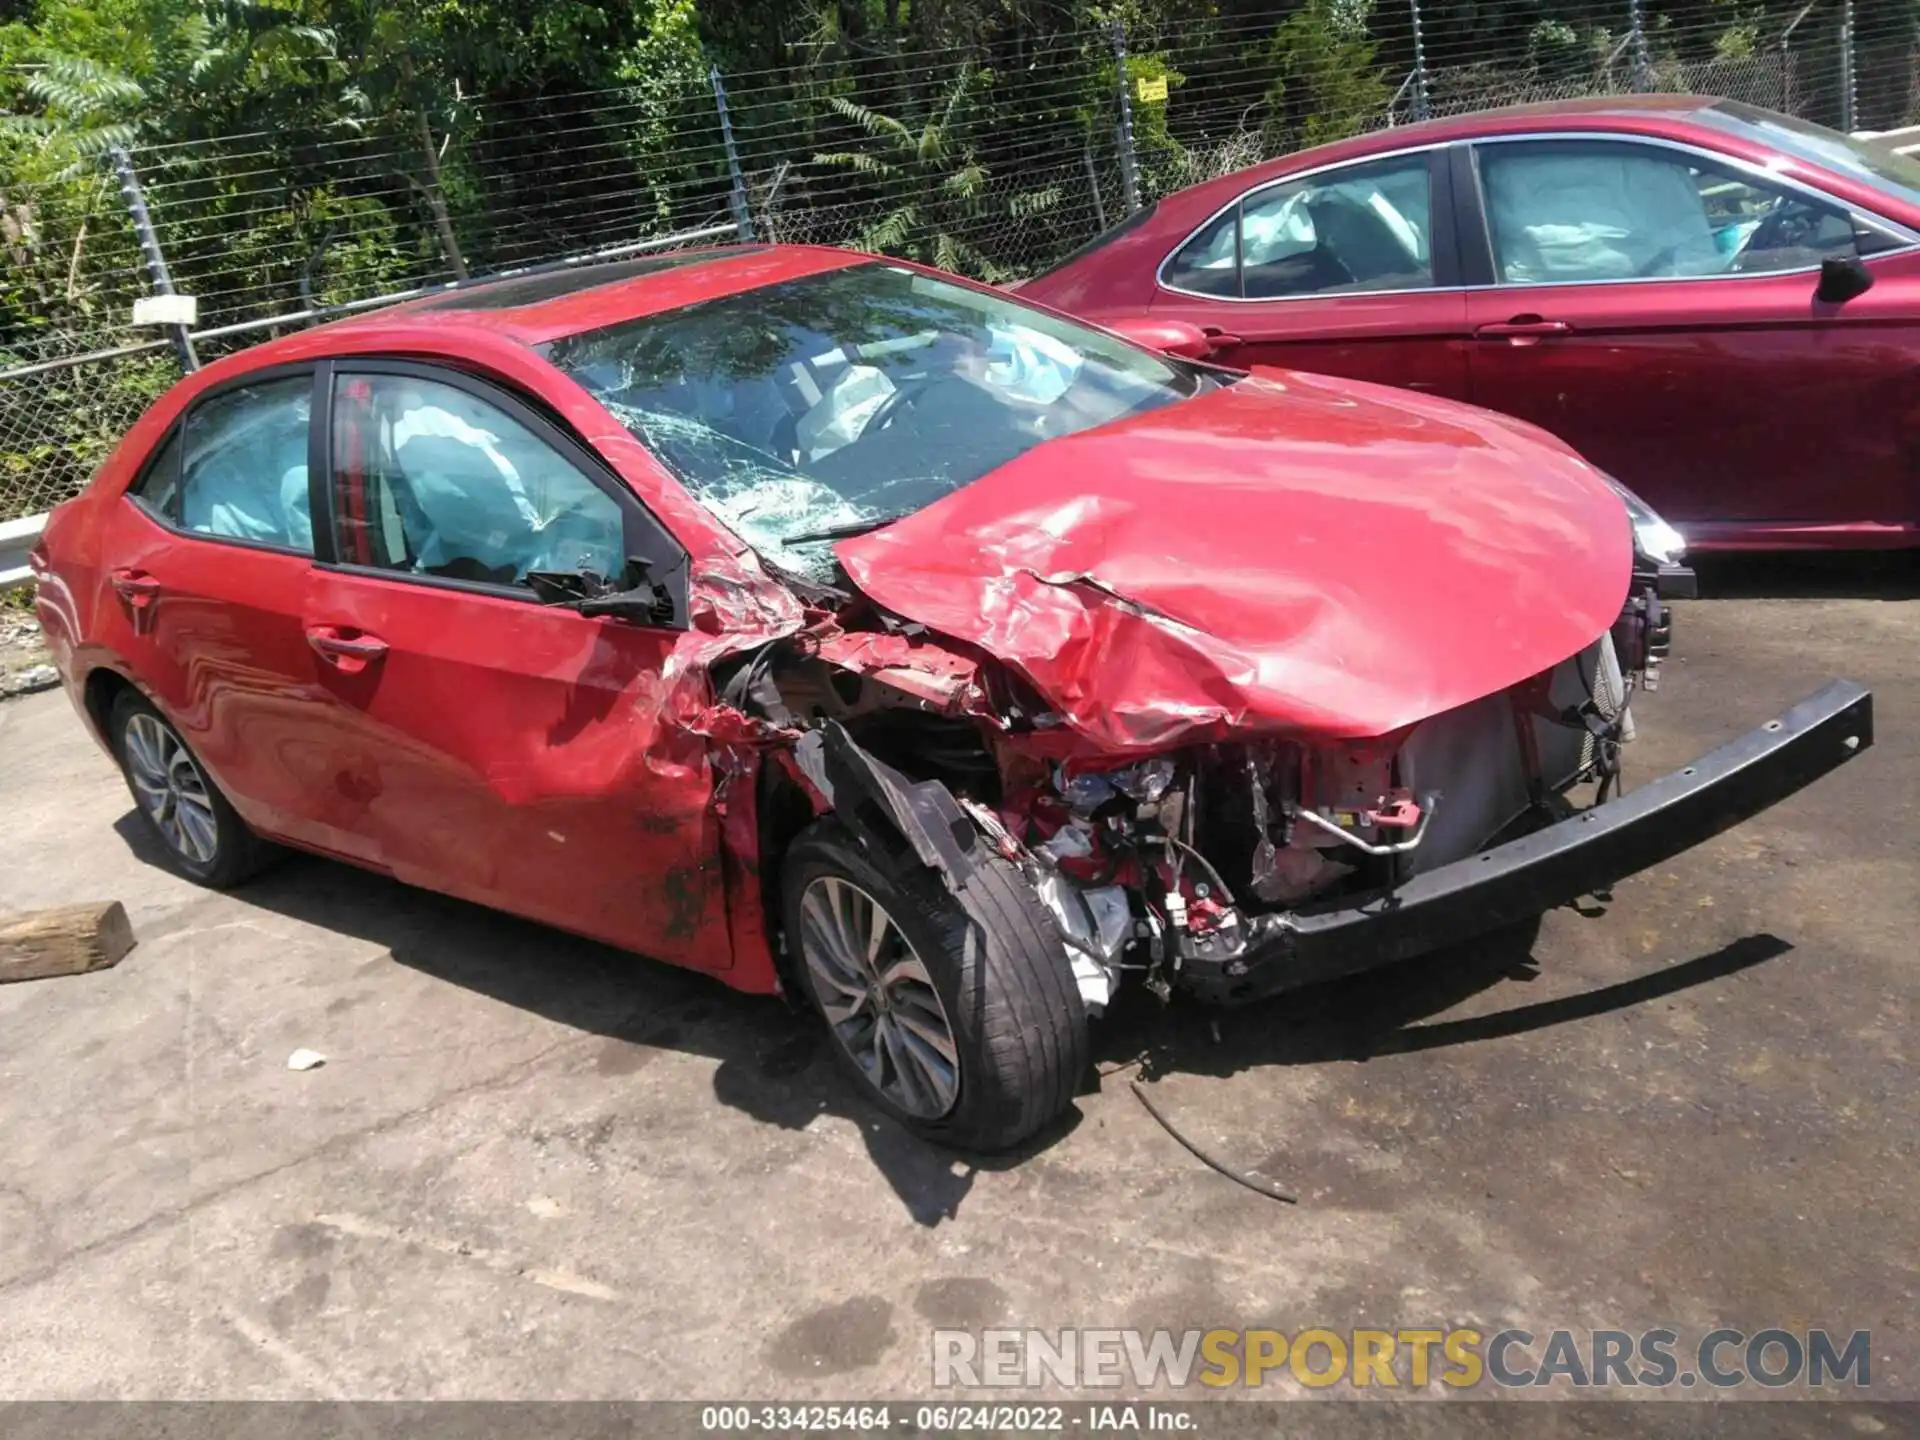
[1129, 174]
[1789, 62]
[1422, 96]
[1848, 96]
[1637, 34]
[742, 220]
[136, 202]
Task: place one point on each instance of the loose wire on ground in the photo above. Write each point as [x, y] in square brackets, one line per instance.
[1259, 1184]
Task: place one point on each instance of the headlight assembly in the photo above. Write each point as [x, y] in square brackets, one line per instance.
[1653, 537]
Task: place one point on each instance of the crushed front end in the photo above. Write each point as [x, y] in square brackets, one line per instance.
[1235, 871]
[1263, 860]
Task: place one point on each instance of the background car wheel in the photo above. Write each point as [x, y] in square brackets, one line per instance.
[203, 836]
[957, 1014]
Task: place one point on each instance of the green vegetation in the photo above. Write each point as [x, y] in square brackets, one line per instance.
[301, 153]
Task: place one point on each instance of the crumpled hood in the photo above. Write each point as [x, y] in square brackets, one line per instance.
[1291, 554]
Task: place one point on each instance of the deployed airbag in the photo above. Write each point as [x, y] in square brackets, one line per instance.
[1561, 218]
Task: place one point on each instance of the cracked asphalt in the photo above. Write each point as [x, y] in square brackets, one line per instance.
[532, 1167]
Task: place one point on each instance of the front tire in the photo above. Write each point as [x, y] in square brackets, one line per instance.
[956, 1013]
[196, 825]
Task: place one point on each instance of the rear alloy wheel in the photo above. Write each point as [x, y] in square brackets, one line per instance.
[203, 836]
[957, 1013]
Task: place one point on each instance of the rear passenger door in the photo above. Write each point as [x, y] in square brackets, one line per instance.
[1346, 271]
[216, 542]
[511, 752]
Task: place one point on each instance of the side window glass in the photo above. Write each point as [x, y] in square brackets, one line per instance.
[1366, 227]
[158, 489]
[1572, 212]
[1359, 228]
[1206, 264]
[243, 467]
[429, 479]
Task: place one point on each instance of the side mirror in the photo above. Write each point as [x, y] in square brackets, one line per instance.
[1174, 337]
[638, 607]
[639, 598]
[1842, 277]
[634, 595]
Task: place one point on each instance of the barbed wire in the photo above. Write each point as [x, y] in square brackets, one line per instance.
[1026, 165]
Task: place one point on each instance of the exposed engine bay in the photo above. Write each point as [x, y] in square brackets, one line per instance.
[1167, 867]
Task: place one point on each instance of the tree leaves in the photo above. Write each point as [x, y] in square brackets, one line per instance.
[932, 187]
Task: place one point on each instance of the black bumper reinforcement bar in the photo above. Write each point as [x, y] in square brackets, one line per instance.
[1584, 853]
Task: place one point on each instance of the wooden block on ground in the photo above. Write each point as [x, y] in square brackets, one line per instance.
[67, 940]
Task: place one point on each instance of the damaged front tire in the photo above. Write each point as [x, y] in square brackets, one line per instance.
[956, 1012]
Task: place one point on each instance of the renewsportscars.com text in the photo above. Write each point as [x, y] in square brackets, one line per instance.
[1411, 1359]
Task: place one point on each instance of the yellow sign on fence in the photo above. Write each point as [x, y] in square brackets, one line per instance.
[1152, 88]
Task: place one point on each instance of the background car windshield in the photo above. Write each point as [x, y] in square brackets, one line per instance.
[847, 398]
[1890, 173]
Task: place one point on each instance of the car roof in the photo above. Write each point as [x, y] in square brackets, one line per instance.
[545, 303]
[1475, 122]
[1600, 111]
[1645, 114]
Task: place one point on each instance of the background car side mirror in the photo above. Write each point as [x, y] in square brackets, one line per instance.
[1841, 278]
[1174, 337]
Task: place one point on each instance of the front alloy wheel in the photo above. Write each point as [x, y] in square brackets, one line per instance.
[954, 1009]
[878, 998]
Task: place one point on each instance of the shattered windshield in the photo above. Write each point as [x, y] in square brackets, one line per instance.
[823, 406]
[1892, 174]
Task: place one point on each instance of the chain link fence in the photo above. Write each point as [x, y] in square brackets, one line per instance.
[995, 163]
[58, 423]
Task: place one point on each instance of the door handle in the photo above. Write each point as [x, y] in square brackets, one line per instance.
[1523, 330]
[347, 650]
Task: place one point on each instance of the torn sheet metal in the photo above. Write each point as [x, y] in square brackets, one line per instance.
[1208, 569]
[924, 670]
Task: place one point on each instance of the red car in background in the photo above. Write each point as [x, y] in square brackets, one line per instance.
[1716, 304]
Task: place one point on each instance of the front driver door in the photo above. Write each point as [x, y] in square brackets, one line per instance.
[511, 752]
[1348, 271]
[1654, 307]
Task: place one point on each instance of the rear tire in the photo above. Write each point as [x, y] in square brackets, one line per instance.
[184, 811]
[984, 968]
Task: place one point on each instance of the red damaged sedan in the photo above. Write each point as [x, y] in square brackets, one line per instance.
[1717, 304]
[836, 627]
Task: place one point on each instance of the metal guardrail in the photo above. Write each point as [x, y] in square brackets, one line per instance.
[17, 537]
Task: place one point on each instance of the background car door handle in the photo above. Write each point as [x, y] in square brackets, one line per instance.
[1523, 330]
[345, 649]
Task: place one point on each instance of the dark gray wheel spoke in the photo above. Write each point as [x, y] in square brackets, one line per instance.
[823, 929]
[198, 829]
[927, 1036]
[878, 997]
[143, 756]
[151, 793]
